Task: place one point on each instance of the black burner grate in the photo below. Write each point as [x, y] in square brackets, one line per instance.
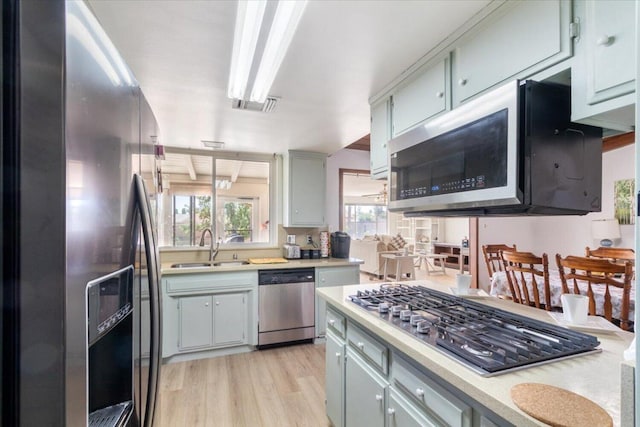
[489, 340]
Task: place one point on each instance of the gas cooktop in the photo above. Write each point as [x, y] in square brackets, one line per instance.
[488, 340]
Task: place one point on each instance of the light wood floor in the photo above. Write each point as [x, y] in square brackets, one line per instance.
[275, 387]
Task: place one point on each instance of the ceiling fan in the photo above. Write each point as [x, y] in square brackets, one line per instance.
[379, 197]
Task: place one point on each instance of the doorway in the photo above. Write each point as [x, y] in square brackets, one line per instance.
[363, 203]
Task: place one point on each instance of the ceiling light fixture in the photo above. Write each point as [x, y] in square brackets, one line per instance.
[248, 22]
[245, 38]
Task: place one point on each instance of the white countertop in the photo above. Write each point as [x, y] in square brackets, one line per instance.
[292, 263]
[594, 376]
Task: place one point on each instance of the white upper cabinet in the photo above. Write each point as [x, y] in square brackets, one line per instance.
[603, 76]
[611, 60]
[380, 135]
[517, 40]
[305, 183]
[421, 98]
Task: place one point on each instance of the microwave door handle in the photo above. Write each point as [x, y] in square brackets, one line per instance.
[153, 273]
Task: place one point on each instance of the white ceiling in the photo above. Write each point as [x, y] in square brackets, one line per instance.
[342, 53]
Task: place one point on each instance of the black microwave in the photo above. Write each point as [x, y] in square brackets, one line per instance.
[512, 151]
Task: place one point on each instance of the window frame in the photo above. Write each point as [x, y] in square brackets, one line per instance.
[275, 172]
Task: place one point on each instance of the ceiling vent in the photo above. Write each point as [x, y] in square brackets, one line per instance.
[266, 107]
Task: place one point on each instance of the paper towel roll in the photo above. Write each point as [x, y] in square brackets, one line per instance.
[324, 244]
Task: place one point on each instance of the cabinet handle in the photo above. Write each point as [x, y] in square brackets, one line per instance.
[440, 94]
[419, 392]
[605, 40]
[360, 345]
[331, 322]
[462, 82]
[206, 304]
[384, 145]
[217, 302]
[379, 397]
[338, 355]
[391, 411]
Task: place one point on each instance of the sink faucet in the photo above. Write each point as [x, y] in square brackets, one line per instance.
[212, 252]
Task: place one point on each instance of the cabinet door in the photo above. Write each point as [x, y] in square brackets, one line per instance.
[332, 276]
[402, 413]
[195, 322]
[380, 135]
[420, 99]
[610, 48]
[334, 379]
[519, 37]
[365, 394]
[307, 181]
[229, 319]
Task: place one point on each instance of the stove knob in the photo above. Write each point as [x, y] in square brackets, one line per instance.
[405, 315]
[415, 319]
[383, 307]
[423, 327]
[395, 310]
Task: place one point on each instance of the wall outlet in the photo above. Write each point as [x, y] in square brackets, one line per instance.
[309, 238]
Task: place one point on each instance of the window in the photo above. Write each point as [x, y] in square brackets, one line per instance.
[360, 220]
[229, 193]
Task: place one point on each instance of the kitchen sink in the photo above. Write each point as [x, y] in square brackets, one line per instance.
[229, 263]
[191, 265]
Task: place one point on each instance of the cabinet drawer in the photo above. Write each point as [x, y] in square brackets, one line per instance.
[209, 281]
[431, 396]
[401, 413]
[336, 322]
[367, 346]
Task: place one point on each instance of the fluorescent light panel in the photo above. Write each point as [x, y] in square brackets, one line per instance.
[283, 28]
[248, 22]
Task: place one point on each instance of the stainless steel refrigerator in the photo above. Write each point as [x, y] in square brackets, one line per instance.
[80, 325]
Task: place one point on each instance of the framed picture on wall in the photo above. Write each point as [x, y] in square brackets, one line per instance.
[624, 201]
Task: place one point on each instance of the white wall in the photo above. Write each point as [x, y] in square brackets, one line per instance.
[566, 235]
[343, 159]
[455, 229]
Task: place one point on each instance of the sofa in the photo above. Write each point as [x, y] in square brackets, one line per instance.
[370, 249]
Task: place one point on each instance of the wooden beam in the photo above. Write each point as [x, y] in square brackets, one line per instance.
[618, 141]
[237, 165]
[192, 170]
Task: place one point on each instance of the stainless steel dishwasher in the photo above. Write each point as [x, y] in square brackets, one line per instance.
[286, 308]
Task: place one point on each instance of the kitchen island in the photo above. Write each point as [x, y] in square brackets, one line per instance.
[458, 395]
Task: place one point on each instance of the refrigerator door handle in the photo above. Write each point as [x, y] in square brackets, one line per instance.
[154, 297]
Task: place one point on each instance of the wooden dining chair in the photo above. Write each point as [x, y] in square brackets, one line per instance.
[492, 256]
[576, 272]
[524, 272]
[617, 255]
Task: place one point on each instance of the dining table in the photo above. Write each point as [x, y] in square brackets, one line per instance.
[500, 288]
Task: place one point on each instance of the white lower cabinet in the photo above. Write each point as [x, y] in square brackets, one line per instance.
[334, 379]
[196, 321]
[230, 318]
[401, 413]
[208, 311]
[366, 389]
[332, 276]
[212, 320]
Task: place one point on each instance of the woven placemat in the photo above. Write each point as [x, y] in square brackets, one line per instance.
[558, 407]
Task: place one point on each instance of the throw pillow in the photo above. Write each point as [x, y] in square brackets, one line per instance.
[398, 242]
